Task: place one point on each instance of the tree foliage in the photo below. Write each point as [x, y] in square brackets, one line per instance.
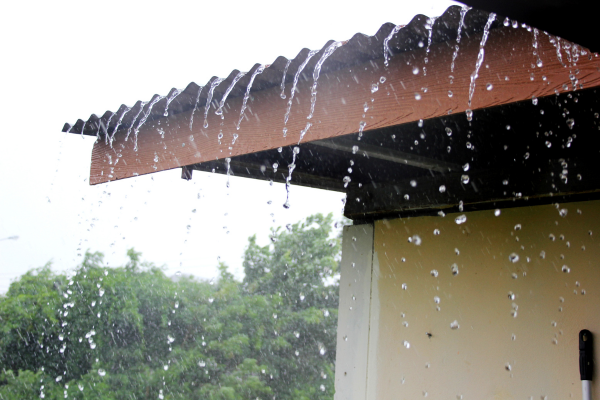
[134, 333]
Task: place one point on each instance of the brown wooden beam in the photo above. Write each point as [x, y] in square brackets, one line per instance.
[509, 67]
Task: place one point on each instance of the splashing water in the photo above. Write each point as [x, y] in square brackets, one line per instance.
[142, 105]
[259, 70]
[117, 126]
[176, 93]
[143, 120]
[287, 65]
[313, 90]
[195, 106]
[481, 55]
[461, 23]
[296, 77]
[291, 168]
[239, 76]
[213, 85]
[386, 48]
[429, 27]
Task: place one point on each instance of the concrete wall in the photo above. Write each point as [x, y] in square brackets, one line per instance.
[502, 347]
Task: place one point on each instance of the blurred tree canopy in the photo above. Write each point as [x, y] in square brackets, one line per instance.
[134, 333]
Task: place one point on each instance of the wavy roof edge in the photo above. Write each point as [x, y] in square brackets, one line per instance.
[359, 49]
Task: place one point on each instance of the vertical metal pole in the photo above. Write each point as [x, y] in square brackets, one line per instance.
[586, 362]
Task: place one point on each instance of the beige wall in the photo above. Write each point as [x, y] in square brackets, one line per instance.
[472, 360]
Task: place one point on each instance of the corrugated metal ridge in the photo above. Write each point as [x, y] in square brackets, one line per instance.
[359, 49]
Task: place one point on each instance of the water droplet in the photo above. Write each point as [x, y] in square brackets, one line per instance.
[454, 325]
[489, 86]
[517, 227]
[416, 240]
[374, 87]
[450, 94]
[322, 387]
[413, 183]
[354, 149]
[448, 131]
[454, 269]
[404, 286]
[469, 114]
[442, 188]
[464, 179]
[436, 232]
[415, 70]
[420, 124]
[513, 257]
[406, 344]
[566, 269]
[101, 372]
[461, 219]
[382, 79]
[434, 273]
[417, 96]
[436, 300]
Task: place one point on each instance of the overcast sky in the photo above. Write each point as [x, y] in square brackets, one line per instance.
[65, 60]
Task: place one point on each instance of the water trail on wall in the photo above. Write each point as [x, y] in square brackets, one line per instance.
[386, 48]
[481, 55]
[293, 91]
[258, 71]
[143, 120]
[461, 23]
[211, 90]
[239, 76]
[429, 27]
[287, 65]
[176, 93]
[291, 168]
[142, 105]
[118, 124]
[313, 90]
[195, 106]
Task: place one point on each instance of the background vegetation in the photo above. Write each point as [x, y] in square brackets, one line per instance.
[134, 333]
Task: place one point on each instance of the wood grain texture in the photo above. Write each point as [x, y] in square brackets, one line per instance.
[341, 98]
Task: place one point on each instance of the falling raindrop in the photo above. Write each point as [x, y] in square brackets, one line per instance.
[436, 232]
[513, 257]
[461, 219]
[566, 269]
[434, 273]
[454, 269]
[101, 372]
[454, 325]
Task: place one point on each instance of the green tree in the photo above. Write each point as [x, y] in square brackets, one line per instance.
[133, 332]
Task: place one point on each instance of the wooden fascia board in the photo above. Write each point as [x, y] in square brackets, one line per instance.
[509, 66]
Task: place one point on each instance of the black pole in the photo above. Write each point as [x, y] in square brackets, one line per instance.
[586, 355]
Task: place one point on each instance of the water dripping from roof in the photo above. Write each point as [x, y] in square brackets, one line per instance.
[259, 70]
[429, 27]
[105, 128]
[386, 49]
[287, 65]
[461, 23]
[481, 55]
[303, 132]
[291, 168]
[213, 85]
[118, 124]
[536, 53]
[176, 93]
[293, 91]
[317, 71]
[142, 105]
[195, 106]
[239, 76]
[143, 120]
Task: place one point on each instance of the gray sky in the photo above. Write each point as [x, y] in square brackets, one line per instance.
[64, 60]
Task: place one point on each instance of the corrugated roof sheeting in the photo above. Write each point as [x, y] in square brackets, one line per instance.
[359, 49]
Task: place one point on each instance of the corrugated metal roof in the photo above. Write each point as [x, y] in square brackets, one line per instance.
[359, 49]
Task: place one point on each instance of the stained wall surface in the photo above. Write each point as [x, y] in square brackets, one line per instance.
[502, 328]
